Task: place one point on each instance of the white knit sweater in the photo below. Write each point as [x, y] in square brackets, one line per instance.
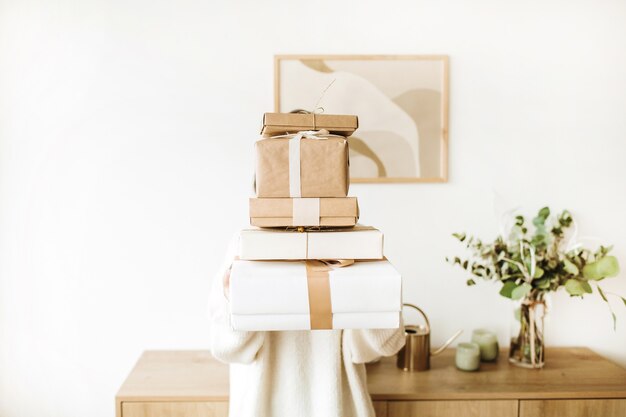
[296, 373]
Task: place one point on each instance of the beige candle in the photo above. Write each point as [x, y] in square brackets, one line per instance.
[467, 357]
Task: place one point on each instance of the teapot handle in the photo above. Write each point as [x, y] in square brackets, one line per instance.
[419, 310]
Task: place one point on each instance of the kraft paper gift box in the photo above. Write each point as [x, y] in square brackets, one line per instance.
[302, 165]
[284, 123]
[296, 212]
[310, 295]
[359, 242]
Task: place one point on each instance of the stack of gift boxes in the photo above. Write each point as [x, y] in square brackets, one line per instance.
[305, 263]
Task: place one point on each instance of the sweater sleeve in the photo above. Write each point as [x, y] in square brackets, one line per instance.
[367, 345]
[226, 344]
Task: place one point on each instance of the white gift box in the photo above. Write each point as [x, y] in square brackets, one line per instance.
[366, 294]
[359, 242]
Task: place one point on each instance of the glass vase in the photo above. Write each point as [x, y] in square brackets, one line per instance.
[527, 336]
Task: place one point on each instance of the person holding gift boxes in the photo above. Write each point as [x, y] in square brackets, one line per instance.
[295, 373]
[298, 311]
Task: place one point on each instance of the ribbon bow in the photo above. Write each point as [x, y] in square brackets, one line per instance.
[308, 134]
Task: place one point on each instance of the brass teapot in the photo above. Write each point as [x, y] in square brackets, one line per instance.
[415, 355]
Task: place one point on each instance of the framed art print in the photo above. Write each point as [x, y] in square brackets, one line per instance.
[401, 102]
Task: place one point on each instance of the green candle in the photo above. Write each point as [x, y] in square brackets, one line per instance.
[488, 344]
[467, 356]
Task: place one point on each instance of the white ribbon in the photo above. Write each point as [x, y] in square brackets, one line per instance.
[306, 212]
[295, 187]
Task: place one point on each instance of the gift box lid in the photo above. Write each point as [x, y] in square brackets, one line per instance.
[358, 242]
[279, 212]
[284, 123]
[283, 207]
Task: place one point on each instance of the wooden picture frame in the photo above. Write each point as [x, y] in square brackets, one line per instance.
[429, 153]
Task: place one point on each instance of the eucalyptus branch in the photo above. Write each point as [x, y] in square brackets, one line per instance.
[519, 266]
[533, 262]
[545, 263]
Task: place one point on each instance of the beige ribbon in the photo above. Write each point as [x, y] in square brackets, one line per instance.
[318, 282]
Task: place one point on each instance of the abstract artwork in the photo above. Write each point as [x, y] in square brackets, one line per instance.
[401, 102]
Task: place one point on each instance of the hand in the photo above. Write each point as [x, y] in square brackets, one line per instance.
[226, 284]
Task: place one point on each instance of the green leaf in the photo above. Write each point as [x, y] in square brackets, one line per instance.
[574, 287]
[614, 320]
[507, 289]
[538, 272]
[586, 287]
[540, 220]
[470, 282]
[565, 218]
[609, 305]
[602, 268]
[540, 238]
[543, 283]
[602, 251]
[521, 291]
[570, 268]
[460, 236]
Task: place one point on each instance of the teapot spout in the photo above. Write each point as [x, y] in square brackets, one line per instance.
[445, 345]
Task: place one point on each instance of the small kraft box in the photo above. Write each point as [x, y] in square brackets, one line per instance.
[358, 242]
[314, 295]
[285, 123]
[304, 212]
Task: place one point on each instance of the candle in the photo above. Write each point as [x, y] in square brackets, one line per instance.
[488, 344]
[467, 356]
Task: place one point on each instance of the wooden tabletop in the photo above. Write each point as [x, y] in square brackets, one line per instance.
[185, 375]
[569, 373]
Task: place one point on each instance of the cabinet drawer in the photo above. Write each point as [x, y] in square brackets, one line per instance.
[495, 408]
[573, 408]
[175, 409]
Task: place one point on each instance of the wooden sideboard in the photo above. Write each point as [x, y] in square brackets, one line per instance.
[575, 382]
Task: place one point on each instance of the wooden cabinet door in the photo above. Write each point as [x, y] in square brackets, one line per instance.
[380, 407]
[487, 408]
[175, 409]
[573, 408]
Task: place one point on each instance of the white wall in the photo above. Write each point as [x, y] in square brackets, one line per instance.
[126, 132]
